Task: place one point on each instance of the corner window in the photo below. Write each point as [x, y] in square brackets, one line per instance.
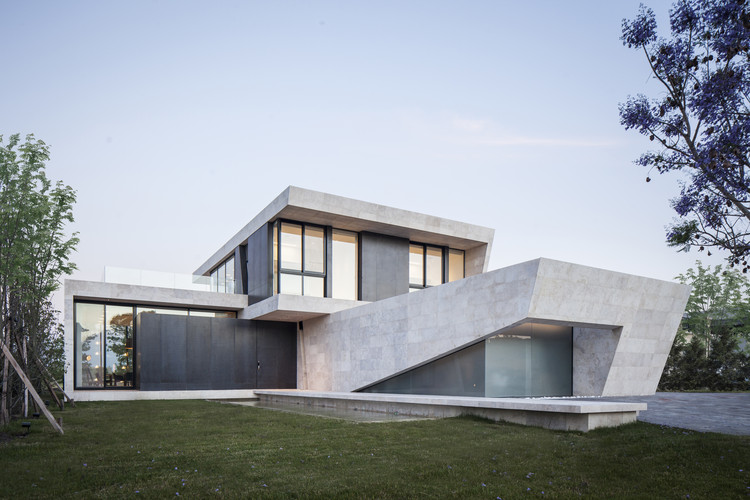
[456, 266]
[222, 277]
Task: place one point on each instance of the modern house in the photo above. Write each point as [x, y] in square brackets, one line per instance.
[325, 293]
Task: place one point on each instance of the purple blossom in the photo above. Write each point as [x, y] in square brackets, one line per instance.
[641, 30]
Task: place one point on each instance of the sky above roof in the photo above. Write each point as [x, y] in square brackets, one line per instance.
[177, 122]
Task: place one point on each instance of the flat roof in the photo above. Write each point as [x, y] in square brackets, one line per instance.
[305, 205]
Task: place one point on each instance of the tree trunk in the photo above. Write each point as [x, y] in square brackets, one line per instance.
[4, 412]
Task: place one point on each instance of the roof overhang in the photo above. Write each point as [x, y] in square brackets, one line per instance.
[325, 209]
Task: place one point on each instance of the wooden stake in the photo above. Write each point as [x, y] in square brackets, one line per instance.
[30, 387]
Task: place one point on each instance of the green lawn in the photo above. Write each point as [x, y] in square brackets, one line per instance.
[199, 449]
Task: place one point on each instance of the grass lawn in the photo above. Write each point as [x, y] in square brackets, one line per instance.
[199, 449]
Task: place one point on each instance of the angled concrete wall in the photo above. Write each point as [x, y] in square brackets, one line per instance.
[624, 326]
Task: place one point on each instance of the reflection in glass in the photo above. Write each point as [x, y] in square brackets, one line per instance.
[314, 250]
[89, 349]
[222, 283]
[433, 266]
[416, 265]
[344, 264]
[531, 359]
[291, 246]
[213, 314]
[229, 265]
[161, 310]
[458, 374]
[455, 264]
[290, 284]
[119, 341]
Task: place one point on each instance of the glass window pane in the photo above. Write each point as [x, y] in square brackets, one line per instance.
[434, 263]
[314, 250]
[88, 332]
[230, 275]
[161, 310]
[213, 314]
[416, 263]
[344, 262]
[291, 246]
[530, 360]
[215, 280]
[222, 279]
[275, 258]
[290, 284]
[455, 264]
[314, 286]
[118, 359]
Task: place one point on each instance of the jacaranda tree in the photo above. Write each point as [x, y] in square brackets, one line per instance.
[699, 121]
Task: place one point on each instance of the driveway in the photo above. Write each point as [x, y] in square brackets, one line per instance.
[726, 413]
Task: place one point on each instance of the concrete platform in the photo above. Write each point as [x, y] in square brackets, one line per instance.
[556, 414]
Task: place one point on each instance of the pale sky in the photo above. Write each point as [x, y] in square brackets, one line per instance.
[176, 122]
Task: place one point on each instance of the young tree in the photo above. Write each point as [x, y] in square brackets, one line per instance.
[700, 121]
[34, 254]
[718, 302]
[706, 352]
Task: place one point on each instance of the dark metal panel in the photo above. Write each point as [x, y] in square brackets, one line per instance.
[245, 359]
[222, 352]
[384, 269]
[148, 356]
[259, 265]
[198, 353]
[173, 352]
[277, 355]
[240, 269]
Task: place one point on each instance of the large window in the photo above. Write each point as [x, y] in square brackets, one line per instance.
[105, 339]
[301, 259]
[344, 265]
[222, 277]
[104, 345]
[529, 360]
[315, 261]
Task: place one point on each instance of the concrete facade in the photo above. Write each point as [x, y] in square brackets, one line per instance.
[622, 325]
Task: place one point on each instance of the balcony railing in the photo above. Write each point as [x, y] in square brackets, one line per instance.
[141, 277]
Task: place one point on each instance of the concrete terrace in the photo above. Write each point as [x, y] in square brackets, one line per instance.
[556, 414]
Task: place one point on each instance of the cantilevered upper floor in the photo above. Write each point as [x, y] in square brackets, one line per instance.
[320, 245]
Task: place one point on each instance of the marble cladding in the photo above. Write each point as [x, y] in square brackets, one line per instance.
[625, 326]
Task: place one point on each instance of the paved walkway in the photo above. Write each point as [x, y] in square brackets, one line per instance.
[727, 413]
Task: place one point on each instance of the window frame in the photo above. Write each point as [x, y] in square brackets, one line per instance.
[419, 286]
[303, 272]
[214, 279]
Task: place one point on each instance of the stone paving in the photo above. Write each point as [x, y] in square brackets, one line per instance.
[726, 413]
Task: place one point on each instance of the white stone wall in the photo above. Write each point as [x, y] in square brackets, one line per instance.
[353, 348]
